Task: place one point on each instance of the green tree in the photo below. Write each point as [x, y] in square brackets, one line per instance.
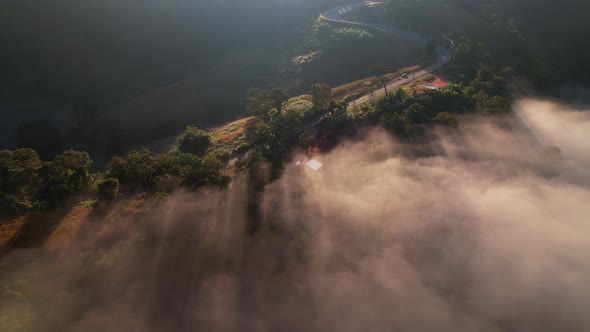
[445, 118]
[397, 123]
[321, 94]
[137, 168]
[394, 102]
[278, 99]
[67, 174]
[206, 172]
[415, 113]
[18, 170]
[380, 70]
[497, 105]
[261, 103]
[194, 140]
[19, 178]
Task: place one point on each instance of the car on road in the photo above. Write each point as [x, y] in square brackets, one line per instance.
[404, 75]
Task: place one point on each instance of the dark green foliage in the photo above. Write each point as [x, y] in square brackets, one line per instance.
[66, 175]
[224, 155]
[206, 172]
[415, 113]
[166, 172]
[137, 168]
[278, 98]
[396, 123]
[18, 171]
[276, 134]
[194, 140]
[26, 182]
[108, 189]
[446, 119]
[242, 147]
[493, 105]
[160, 196]
[468, 55]
[321, 94]
[276, 128]
[258, 103]
[19, 180]
[261, 103]
[11, 205]
[392, 102]
[306, 138]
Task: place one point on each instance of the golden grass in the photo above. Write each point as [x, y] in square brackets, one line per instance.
[231, 135]
[78, 221]
[67, 229]
[9, 229]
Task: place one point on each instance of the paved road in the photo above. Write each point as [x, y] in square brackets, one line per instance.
[335, 15]
[443, 54]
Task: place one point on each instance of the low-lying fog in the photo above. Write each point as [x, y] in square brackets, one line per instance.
[490, 233]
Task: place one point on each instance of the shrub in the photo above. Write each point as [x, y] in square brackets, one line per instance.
[207, 172]
[194, 140]
[243, 147]
[11, 206]
[108, 189]
[67, 174]
[160, 196]
[135, 169]
[446, 119]
[19, 172]
[224, 155]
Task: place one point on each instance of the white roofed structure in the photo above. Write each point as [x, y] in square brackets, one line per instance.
[314, 164]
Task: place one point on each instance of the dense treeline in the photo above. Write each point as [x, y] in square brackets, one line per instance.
[542, 40]
[557, 30]
[28, 183]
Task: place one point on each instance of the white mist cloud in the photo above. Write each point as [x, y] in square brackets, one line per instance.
[478, 231]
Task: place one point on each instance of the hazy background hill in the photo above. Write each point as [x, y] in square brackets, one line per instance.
[58, 55]
[130, 71]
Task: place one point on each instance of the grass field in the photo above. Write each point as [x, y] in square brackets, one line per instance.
[231, 137]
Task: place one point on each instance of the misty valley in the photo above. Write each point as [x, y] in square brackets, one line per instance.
[294, 165]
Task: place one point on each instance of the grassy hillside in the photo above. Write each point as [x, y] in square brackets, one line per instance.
[141, 71]
[60, 56]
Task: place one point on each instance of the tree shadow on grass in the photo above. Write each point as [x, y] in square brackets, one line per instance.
[37, 228]
[101, 228]
[86, 234]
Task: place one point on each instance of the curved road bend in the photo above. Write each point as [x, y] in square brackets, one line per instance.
[335, 15]
[444, 55]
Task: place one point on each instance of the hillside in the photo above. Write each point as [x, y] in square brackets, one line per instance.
[228, 165]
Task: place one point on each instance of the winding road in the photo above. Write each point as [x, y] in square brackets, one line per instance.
[336, 15]
[443, 54]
